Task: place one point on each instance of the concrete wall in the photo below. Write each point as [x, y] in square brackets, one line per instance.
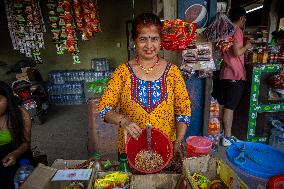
[113, 13]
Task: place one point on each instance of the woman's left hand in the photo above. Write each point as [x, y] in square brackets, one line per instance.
[10, 159]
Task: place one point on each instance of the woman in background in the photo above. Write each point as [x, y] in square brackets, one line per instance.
[15, 136]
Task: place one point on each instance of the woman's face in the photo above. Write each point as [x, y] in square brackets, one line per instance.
[148, 42]
[3, 105]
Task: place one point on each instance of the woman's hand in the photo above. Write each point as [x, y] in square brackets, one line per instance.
[177, 150]
[248, 45]
[132, 128]
[176, 162]
[10, 159]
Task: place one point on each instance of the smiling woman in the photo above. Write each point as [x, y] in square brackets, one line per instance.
[147, 89]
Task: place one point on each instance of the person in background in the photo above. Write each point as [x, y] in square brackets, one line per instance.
[278, 36]
[147, 89]
[232, 75]
[15, 136]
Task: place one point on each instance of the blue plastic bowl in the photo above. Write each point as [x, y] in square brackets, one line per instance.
[261, 160]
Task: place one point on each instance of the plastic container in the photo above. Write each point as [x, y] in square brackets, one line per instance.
[257, 167]
[197, 146]
[276, 182]
[258, 158]
[160, 143]
[250, 180]
[22, 173]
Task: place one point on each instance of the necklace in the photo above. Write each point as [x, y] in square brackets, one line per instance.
[147, 70]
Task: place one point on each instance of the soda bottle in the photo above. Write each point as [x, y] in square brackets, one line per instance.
[22, 173]
[97, 161]
[123, 164]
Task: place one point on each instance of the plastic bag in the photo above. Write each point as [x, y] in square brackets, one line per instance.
[219, 29]
[177, 34]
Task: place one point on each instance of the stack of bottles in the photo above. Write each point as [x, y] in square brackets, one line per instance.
[66, 87]
[276, 138]
[214, 124]
[96, 79]
[275, 54]
[100, 64]
[73, 87]
[63, 76]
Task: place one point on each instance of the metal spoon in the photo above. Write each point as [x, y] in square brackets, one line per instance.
[149, 138]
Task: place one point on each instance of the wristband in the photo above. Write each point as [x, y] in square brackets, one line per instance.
[177, 142]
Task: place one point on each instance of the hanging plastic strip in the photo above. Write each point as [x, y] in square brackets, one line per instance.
[70, 19]
[26, 27]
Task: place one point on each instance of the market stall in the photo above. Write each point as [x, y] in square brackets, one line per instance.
[148, 162]
[43, 176]
[262, 104]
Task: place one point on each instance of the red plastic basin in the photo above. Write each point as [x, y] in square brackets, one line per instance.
[197, 146]
[160, 143]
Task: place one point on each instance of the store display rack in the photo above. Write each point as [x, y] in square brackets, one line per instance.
[255, 106]
[250, 117]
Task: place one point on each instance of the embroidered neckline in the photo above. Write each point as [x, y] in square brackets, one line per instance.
[163, 87]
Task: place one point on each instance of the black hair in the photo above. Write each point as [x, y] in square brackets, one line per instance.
[278, 34]
[145, 19]
[22, 64]
[236, 13]
[14, 114]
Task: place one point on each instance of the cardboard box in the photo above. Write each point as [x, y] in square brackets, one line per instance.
[212, 168]
[42, 175]
[102, 136]
[154, 181]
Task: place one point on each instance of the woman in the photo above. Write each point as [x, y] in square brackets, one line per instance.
[15, 136]
[148, 89]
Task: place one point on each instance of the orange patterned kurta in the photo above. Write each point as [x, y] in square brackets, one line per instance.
[162, 115]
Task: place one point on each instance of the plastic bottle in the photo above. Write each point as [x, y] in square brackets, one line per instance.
[215, 143]
[97, 161]
[277, 124]
[22, 173]
[123, 164]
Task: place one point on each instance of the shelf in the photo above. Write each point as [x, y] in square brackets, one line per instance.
[255, 104]
[263, 64]
[259, 43]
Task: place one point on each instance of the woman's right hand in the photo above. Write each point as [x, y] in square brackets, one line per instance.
[10, 159]
[132, 128]
[248, 45]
